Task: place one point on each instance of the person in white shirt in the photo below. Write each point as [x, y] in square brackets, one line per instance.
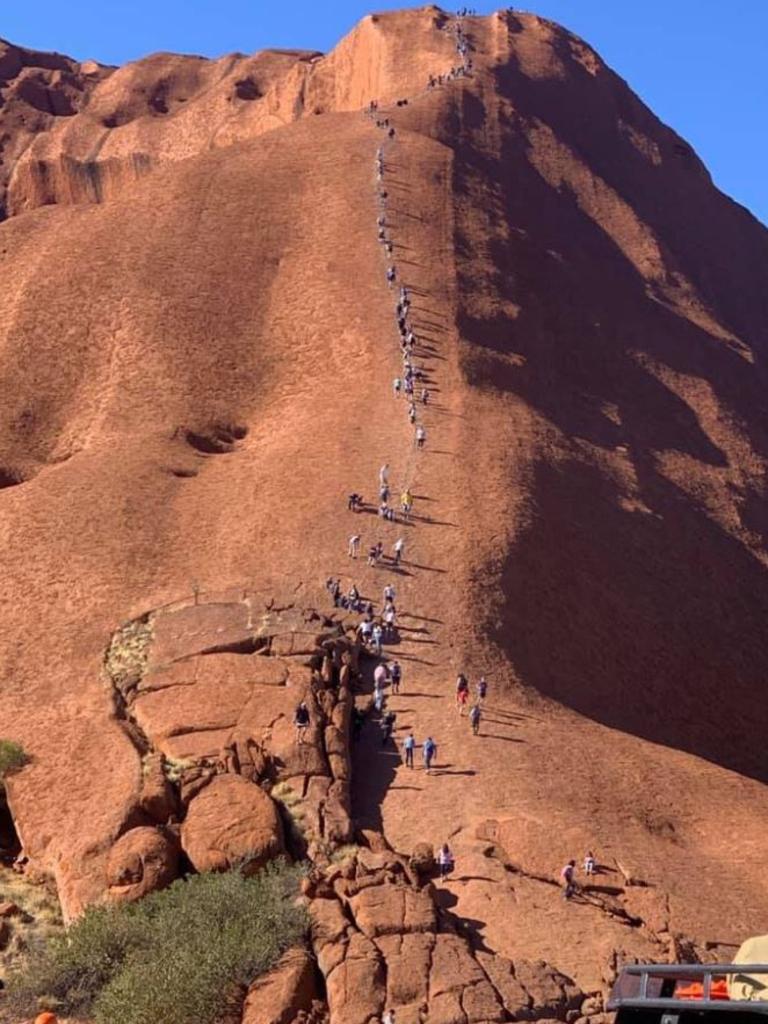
[398, 547]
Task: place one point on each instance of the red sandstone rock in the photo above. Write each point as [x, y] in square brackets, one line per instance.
[597, 309]
[501, 972]
[141, 861]
[329, 931]
[287, 989]
[157, 798]
[552, 994]
[355, 988]
[231, 822]
[393, 910]
[458, 987]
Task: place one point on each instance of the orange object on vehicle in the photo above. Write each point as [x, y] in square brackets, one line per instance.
[695, 989]
[46, 1018]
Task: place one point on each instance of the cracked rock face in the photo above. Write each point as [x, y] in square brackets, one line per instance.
[231, 822]
[382, 941]
[211, 688]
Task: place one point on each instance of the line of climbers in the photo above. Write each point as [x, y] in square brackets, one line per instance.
[411, 383]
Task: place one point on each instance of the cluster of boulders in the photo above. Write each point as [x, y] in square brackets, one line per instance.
[382, 942]
[207, 691]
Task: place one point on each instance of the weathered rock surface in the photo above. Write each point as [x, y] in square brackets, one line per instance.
[231, 822]
[287, 989]
[157, 799]
[142, 860]
[380, 943]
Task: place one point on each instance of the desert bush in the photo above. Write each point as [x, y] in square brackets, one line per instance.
[12, 757]
[180, 956]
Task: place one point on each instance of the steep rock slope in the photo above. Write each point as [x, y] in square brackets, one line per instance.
[196, 357]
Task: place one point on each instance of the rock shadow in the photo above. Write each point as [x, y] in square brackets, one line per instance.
[651, 623]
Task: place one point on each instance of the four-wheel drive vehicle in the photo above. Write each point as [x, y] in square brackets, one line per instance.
[696, 993]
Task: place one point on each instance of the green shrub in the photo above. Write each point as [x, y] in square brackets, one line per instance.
[180, 956]
[12, 757]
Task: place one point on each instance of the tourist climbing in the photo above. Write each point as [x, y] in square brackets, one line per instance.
[409, 745]
[475, 714]
[445, 860]
[301, 721]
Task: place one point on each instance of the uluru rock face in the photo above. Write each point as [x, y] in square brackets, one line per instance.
[36, 91]
[197, 347]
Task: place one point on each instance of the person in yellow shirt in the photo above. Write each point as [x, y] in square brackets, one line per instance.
[406, 503]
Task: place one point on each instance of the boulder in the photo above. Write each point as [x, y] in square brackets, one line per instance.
[328, 929]
[369, 861]
[231, 821]
[192, 781]
[393, 910]
[142, 860]
[423, 860]
[552, 993]
[287, 989]
[335, 741]
[304, 642]
[374, 840]
[592, 1006]
[339, 766]
[157, 798]
[5, 933]
[10, 910]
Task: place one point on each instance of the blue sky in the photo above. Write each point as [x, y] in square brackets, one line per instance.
[701, 65]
